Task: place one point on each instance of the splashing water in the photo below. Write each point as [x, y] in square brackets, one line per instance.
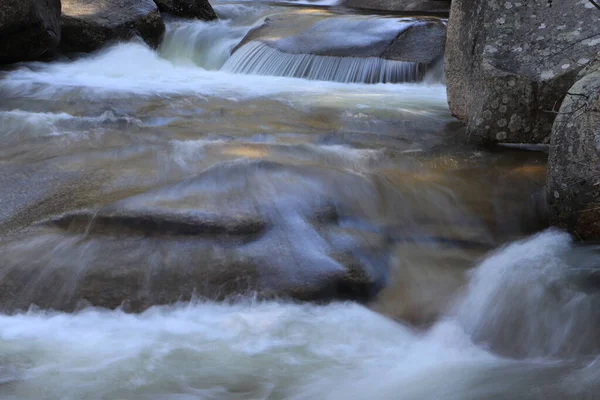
[132, 174]
[280, 350]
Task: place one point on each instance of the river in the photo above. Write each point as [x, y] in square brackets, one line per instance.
[187, 224]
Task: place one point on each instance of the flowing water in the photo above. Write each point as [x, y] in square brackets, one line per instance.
[173, 228]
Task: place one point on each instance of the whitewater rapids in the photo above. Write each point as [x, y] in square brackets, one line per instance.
[277, 350]
[474, 306]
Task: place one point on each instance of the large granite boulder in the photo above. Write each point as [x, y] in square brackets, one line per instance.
[573, 187]
[88, 25]
[200, 9]
[509, 64]
[28, 28]
[437, 6]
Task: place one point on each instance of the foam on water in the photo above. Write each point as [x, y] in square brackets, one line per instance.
[532, 299]
[134, 69]
[263, 350]
[525, 326]
[20, 122]
[207, 350]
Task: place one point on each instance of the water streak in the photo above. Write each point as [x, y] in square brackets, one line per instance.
[261, 59]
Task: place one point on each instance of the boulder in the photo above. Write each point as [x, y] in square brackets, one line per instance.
[200, 9]
[437, 6]
[343, 48]
[416, 40]
[573, 187]
[88, 25]
[509, 64]
[28, 29]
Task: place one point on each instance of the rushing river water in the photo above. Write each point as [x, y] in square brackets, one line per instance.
[164, 219]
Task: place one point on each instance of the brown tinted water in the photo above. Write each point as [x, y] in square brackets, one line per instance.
[137, 180]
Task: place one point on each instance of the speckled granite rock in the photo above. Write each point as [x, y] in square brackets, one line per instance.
[574, 168]
[510, 63]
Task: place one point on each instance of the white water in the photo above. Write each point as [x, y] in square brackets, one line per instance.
[256, 350]
[134, 69]
[261, 59]
[523, 327]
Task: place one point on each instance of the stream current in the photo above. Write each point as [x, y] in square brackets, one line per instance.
[127, 171]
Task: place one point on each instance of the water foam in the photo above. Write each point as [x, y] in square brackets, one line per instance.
[134, 69]
[206, 350]
[281, 350]
[532, 299]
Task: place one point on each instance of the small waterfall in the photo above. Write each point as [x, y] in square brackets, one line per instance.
[205, 44]
[259, 58]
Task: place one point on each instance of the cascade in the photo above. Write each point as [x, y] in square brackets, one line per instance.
[261, 59]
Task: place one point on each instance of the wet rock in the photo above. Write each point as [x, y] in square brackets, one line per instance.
[509, 64]
[200, 9]
[159, 222]
[87, 25]
[573, 189]
[419, 41]
[235, 229]
[442, 6]
[28, 29]
[422, 43]
[350, 49]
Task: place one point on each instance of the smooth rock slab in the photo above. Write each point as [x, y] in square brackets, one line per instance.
[410, 40]
[87, 25]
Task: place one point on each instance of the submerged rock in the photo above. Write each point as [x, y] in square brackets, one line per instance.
[509, 64]
[200, 9]
[573, 187]
[28, 29]
[402, 5]
[88, 25]
[237, 228]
